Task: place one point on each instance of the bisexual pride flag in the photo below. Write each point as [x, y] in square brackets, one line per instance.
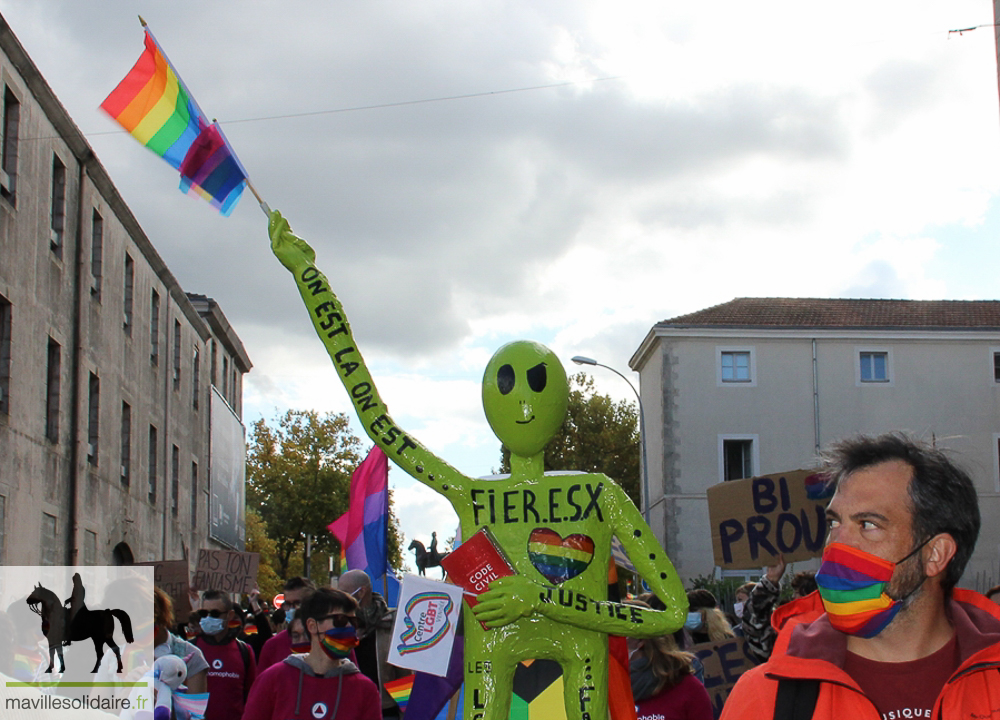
[156, 108]
[363, 529]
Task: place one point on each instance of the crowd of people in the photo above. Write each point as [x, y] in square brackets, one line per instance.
[881, 630]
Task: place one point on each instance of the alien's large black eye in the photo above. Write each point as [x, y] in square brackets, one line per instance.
[505, 379]
[537, 377]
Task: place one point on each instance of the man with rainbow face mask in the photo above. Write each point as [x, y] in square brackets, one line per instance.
[887, 635]
[321, 683]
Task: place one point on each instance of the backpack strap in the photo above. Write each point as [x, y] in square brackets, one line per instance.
[796, 699]
[245, 654]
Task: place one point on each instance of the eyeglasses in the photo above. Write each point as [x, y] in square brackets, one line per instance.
[213, 613]
[339, 620]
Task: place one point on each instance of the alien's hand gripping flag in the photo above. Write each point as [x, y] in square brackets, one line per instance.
[154, 105]
[363, 529]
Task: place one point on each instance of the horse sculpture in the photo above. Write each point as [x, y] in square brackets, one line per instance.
[98, 625]
[427, 558]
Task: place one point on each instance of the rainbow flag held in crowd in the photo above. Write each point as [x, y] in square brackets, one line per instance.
[156, 108]
[399, 690]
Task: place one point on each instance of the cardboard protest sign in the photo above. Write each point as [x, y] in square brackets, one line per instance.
[426, 620]
[724, 662]
[171, 576]
[226, 570]
[755, 520]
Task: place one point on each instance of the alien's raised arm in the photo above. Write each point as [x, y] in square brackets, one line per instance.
[330, 321]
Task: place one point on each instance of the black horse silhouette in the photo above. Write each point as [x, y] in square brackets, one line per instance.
[427, 558]
[61, 626]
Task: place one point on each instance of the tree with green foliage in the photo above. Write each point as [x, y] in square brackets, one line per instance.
[298, 482]
[598, 435]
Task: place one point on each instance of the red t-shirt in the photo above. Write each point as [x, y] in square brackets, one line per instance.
[275, 650]
[229, 678]
[904, 689]
[283, 687]
[687, 700]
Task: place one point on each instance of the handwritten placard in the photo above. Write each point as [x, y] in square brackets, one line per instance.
[226, 570]
[755, 520]
[171, 576]
[725, 661]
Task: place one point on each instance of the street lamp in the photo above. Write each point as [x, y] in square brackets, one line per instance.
[581, 360]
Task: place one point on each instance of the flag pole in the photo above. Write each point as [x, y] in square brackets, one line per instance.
[263, 205]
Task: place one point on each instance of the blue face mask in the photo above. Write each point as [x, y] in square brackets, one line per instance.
[289, 614]
[211, 625]
[693, 621]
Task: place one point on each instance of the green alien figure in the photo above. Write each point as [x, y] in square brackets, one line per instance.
[548, 609]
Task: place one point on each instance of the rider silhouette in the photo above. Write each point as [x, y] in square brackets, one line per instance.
[432, 551]
[75, 602]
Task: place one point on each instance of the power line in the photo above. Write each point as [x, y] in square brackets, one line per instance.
[402, 103]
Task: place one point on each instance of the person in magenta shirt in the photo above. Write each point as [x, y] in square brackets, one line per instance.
[280, 645]
[321, 684]
[663, 682]
[232, 666]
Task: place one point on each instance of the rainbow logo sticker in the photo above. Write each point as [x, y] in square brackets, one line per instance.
[427, 622]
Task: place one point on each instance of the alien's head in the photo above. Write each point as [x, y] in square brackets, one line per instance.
[525, 394]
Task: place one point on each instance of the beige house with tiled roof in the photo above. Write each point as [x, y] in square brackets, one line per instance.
[758, 385]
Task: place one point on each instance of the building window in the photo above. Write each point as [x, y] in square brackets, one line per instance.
[195, 378]
[225, 377]
[52, 391]
[194, 495]
[126, 450]
[735, 366]
[58, 209]
[177, 355]
[48, 539]
[154, 328]
[152, 464]
[874, 367]
[89, 547]
[96, 253]
[8, 144]
[996, 366]
[129, 286]
[175, 479]
[6, 315]
[737, 457]
[93, 418]
[215, 365]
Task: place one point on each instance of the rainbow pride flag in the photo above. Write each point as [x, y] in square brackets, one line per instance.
[399, 690]
[156, 108]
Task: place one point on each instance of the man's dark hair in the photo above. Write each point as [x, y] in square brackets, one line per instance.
[942, 495]
[804, 582]
[295, 583]
[324, 601]
[227, 602]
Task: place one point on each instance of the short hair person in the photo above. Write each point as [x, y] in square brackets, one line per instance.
[232, 664]
[279, 646]
[321, 684]
[889, 634]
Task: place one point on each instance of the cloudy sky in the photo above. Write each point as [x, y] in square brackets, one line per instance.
[570, 172]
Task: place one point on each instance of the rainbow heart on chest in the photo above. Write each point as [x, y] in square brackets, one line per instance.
[557, 558]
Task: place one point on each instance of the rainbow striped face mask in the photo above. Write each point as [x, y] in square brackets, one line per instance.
[337, 642]
[852, 586]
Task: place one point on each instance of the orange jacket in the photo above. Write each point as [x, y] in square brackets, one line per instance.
[809, 648]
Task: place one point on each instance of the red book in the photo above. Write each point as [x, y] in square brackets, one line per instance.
[476, 563]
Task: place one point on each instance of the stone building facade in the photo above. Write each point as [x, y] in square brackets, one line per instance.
[106, 364]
